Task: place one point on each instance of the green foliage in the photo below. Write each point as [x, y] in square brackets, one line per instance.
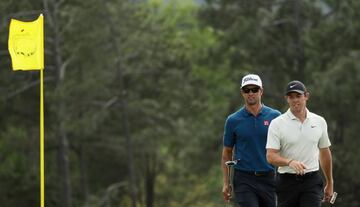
[177, 65]
[18, 168]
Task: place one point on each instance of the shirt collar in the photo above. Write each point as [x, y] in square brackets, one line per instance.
[293, 117]
[261, 112]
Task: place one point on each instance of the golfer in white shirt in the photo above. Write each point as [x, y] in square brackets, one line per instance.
[297, 141]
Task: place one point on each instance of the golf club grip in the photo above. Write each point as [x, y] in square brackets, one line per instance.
[230, 163]
[333, 198]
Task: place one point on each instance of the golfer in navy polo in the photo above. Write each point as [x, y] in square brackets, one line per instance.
[245, 138]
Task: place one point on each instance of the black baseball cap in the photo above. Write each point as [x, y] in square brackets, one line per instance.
[295, 86]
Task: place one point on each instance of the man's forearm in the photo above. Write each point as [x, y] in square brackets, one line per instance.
[274, 158]
[225, 170]
[326, 164]
[226, 156]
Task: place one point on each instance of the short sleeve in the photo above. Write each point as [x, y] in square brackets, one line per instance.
[273, 138]
[324, 141]
[229, 139]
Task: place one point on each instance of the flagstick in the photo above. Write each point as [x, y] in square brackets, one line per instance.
[42, 174]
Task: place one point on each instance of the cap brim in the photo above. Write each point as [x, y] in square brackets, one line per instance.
[254, 84]
[296, 91]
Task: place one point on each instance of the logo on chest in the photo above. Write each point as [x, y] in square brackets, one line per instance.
[266, 123]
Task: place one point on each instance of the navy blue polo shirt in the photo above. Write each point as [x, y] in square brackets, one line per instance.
[248, 134]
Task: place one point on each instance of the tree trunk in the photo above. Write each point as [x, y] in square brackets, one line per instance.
[124, 112]
[130, 160]
[63, 162]
[150, 174]
[299, 59]
[60, 66]
[83, 175]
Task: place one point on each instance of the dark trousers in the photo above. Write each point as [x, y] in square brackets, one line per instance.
[254, 190]
[299, 191]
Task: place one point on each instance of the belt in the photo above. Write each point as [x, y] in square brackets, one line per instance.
[257, 173]
[298, 177]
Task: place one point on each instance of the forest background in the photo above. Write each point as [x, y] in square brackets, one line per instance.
[137, 92]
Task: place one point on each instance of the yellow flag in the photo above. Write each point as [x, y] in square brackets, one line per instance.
[26, 44]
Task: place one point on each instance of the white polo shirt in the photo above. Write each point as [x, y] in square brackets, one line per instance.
[298, 141]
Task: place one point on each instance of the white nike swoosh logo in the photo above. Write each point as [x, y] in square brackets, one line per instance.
[292, 86]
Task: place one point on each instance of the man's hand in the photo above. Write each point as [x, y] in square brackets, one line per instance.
[227, 192]
[328, 193]
[298, 166]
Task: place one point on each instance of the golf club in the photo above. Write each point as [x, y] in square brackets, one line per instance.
[333, 198]
[230, 164]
